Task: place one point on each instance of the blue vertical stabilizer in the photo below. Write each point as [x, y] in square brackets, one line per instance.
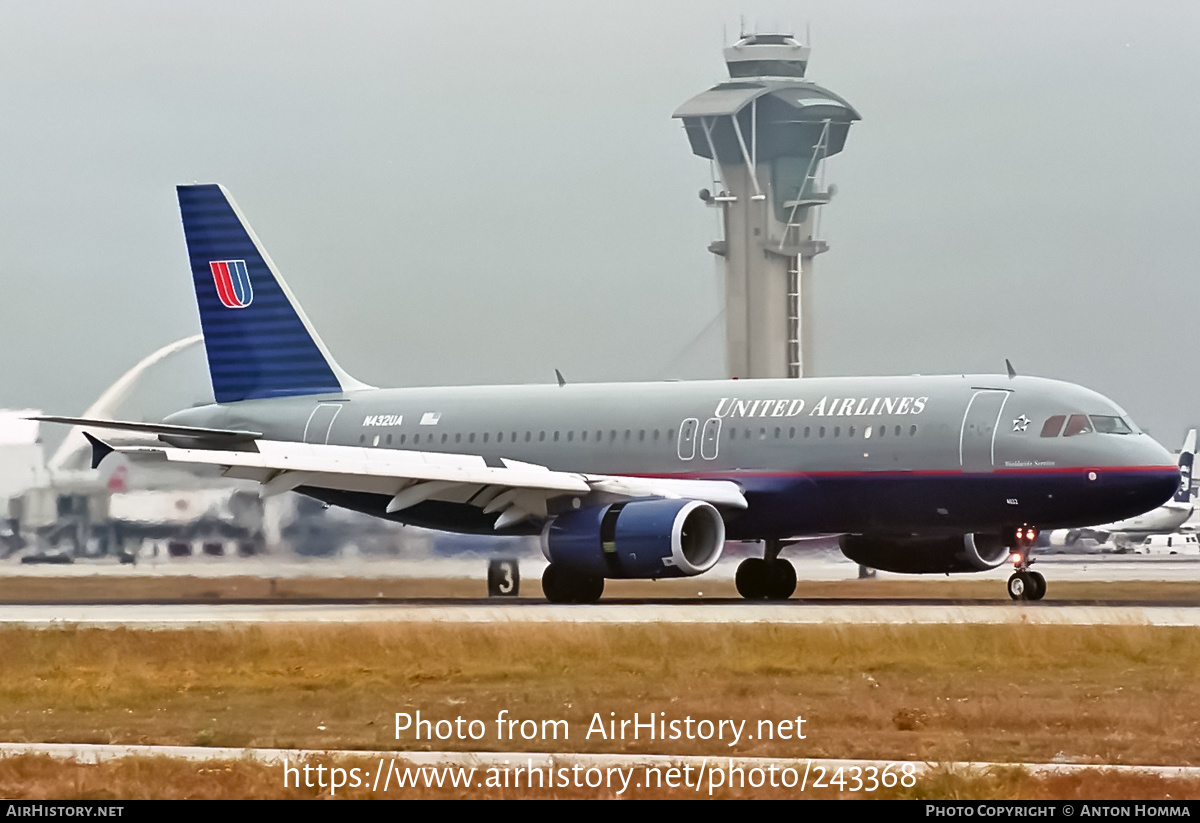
[259, 342]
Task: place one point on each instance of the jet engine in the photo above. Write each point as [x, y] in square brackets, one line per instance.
[926, 555]
[649, 538]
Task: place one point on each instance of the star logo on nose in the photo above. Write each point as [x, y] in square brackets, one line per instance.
[1021, 423]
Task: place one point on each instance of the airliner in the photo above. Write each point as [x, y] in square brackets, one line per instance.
[1166, 519]
[918, 474]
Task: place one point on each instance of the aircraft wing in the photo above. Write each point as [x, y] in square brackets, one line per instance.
[514, 489]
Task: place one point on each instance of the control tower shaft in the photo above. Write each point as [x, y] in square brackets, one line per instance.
[768, 130]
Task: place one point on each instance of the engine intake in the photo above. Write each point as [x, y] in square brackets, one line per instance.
[926, 555]
[640, 539]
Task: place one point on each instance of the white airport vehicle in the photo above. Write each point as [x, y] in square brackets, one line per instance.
[1169, 544]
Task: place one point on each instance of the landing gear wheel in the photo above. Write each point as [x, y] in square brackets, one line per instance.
[782, 580]
[588, 589]
[555, 585]
[1019, 586]
[1037, 585]
[561, 585]
[753, 578]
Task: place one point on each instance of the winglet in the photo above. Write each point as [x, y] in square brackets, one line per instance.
[1011, 371]
[561, 380]
[100, 449]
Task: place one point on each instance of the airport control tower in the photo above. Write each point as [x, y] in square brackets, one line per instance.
[768, 129]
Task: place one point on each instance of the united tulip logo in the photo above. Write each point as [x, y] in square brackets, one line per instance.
[233, 283]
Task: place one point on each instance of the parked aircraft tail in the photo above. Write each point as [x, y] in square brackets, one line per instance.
[1186, 457]
[258, 340]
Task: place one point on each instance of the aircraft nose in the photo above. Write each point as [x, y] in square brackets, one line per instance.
[1162, 468]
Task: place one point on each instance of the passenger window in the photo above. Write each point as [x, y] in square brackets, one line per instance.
[472, 437]
[1077, 424]
[499, 437]
[1053, 425]
[792, 433]
[776, 432]
[402, 437]
[571, 436]
[485, 437]
[821, 432]
[732, 433]
[837, 431]
[444, 436]
[807, 431]
[867, 433]
[556, 437]
[389, 440]
[458, 438]
[362, 438]
[912, 431]
[541, 437]
[850, 432]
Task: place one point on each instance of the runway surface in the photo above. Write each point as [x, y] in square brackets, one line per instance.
[726, 612]
[823, 566]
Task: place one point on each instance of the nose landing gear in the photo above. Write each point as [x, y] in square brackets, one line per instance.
[1025, 584]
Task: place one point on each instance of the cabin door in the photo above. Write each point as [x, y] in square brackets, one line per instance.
[977, 442]
[320, 422]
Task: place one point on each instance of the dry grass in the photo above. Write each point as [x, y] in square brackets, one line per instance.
[936, 693]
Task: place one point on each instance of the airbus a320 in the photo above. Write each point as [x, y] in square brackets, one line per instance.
[648, 480]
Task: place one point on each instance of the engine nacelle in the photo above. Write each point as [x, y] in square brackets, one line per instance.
[650, 538]
[927, 555]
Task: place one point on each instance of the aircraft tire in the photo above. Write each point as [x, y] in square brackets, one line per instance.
[588, 589]
[556, 585]
[561, 585]
[1019, 586]
[782, 580]
[1038, 585]
[753, 578]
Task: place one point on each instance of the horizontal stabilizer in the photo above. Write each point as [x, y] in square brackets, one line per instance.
[100, 450]
[227, 436]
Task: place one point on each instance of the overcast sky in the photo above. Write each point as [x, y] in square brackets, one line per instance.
[484, 192]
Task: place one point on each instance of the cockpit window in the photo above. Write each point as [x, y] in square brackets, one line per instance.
[1106, 424]
[1077, 424]
[1053, 425]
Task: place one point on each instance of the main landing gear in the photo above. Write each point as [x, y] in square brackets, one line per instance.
[766, 578]
[1025, 584]
[563, 585]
